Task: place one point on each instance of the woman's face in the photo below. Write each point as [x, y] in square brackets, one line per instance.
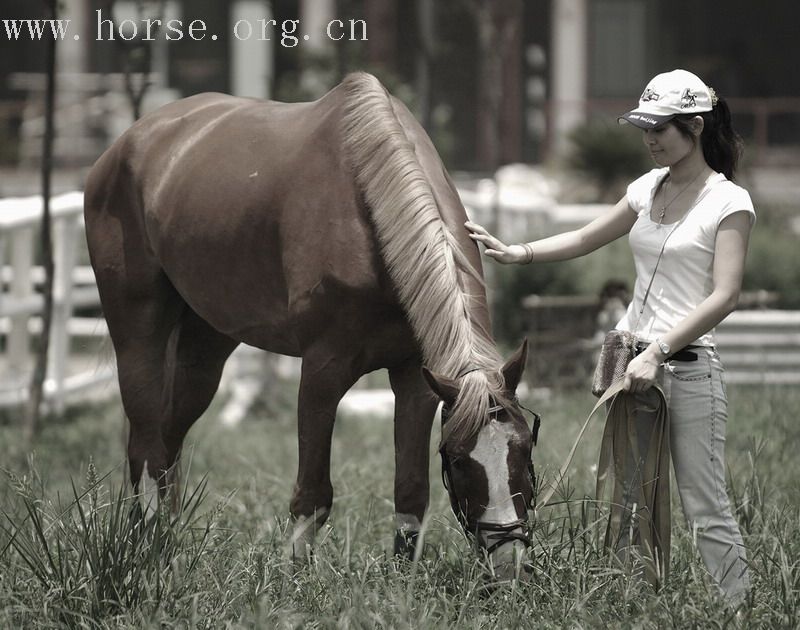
[667, 145]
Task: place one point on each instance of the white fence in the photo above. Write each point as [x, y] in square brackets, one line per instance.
[761, 347]
[21, 304]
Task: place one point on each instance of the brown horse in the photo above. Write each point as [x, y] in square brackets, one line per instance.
[326, 230]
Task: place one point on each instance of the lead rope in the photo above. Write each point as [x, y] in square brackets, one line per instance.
[608, 395]
[654, 494]
[646, 518]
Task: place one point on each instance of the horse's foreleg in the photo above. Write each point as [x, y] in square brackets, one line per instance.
[415, 406]
[325, 378]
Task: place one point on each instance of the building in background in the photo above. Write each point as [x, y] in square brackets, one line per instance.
[494, 81]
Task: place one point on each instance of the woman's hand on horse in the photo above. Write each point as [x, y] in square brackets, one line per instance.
[495, 248]
[641, 373]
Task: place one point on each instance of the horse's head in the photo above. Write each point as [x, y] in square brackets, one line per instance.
[488, 471]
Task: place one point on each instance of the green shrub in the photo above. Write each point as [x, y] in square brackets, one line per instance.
[773, 262]
[585, 276]
[512, 283]
[610, 155]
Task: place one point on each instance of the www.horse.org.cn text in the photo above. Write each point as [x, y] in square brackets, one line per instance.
[287, 33]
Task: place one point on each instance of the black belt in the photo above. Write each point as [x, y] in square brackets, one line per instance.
[685, 354]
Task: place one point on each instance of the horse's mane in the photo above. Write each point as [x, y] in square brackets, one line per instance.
[421, 255]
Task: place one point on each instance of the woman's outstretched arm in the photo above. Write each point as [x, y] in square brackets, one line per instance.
[601, 231]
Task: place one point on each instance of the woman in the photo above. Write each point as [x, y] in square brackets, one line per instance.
[707, 218]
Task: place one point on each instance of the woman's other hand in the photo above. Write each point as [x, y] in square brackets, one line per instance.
[495, 248]
[641, 373]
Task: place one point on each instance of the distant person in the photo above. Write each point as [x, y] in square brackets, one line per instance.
[614, 299]
[691, 199]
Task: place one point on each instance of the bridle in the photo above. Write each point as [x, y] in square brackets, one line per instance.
[498, 533]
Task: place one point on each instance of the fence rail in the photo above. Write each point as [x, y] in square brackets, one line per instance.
[21, 303]
[761, 347]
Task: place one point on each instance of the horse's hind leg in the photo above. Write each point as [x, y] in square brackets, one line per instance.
[167, 379]
[415, 406]
[141, 319]
[195, 356]
[169, 361]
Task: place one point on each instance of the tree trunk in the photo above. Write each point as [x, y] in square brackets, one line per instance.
[381, 16]
[427, 41]
[499, 24]
[36, 390]
[136, 55]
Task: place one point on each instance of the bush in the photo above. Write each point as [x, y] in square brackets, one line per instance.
[608, 154]
[585, 276]
[512, 283]
[773, 259]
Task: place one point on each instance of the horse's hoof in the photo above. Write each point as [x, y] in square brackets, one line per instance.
[510, 562]
[302, 555]
[405, 543]
[300, 547]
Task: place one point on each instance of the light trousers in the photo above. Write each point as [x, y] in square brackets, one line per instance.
[698, 410]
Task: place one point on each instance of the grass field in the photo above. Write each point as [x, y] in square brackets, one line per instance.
[67, 562]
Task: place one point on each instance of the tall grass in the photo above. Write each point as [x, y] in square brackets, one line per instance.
[79, 555]
[95, 555]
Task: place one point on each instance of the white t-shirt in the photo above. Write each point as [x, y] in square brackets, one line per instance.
[684, 276]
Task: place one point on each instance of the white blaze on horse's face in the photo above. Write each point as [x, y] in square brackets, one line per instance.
[491, 451]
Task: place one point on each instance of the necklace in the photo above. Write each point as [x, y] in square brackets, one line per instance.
[680, 192]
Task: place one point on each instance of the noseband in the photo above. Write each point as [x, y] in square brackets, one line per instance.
[498, 533]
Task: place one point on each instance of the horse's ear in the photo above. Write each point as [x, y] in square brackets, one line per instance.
[512, 370]
[445, 388]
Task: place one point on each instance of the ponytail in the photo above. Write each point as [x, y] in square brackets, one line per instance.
[722, 146]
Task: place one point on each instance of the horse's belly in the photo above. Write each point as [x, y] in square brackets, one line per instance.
[235, 285]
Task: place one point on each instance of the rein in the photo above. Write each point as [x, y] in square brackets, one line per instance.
[498, 533]
[612, 391]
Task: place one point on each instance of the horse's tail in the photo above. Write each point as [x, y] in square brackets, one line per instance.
[422, 256]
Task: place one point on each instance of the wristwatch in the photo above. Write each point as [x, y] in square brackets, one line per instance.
[663, 346]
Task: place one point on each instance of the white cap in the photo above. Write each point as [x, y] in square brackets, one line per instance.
[668, 95]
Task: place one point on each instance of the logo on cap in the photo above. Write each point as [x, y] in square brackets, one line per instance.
[688, 99]
[644, 119]
[649, 95]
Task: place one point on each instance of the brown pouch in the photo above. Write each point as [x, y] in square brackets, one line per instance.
[618, 348]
